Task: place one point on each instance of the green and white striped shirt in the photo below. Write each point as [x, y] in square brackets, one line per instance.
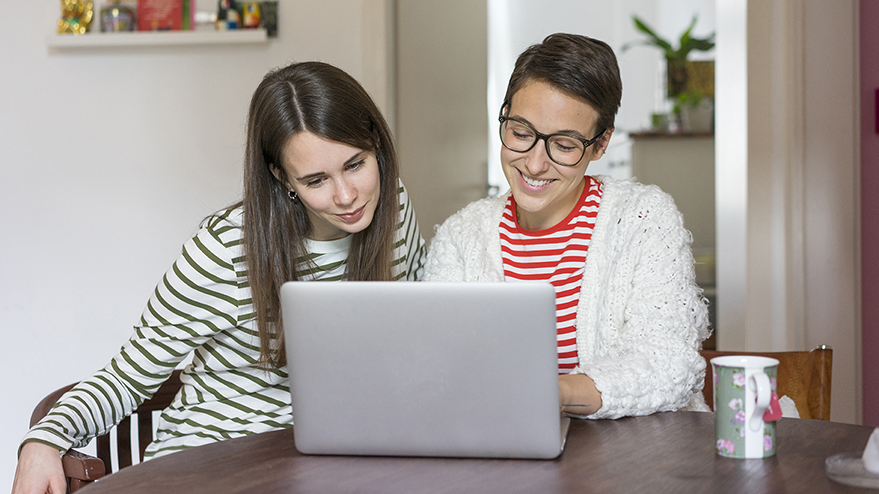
[203, 306]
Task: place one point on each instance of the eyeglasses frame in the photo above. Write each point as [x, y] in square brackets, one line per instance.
[546, 137]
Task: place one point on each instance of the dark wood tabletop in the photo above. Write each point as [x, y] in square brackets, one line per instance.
[665, 452]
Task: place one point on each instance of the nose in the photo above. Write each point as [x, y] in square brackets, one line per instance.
[345, 194]
[537, 159]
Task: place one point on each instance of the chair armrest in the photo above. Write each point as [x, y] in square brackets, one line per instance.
[81, 466]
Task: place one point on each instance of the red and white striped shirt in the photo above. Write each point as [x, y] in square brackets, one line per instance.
[556, 255]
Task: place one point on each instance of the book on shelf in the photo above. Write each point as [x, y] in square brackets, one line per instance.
[165, 15]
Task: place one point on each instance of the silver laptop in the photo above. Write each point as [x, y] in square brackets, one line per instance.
[424, 369]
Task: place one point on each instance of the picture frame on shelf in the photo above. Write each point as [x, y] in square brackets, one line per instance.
[165, 15]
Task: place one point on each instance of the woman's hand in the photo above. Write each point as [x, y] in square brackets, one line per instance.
[578, 394]
[39, 471]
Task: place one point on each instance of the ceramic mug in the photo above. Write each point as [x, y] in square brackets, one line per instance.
[744, 387]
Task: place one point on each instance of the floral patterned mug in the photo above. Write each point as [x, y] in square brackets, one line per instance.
[743, 389]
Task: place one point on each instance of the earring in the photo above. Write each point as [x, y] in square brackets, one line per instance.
[292, 195]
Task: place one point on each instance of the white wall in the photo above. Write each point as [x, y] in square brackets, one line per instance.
[109, 158]
[441, 132]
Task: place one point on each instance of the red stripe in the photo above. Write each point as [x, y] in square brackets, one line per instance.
[567, 293]
[527, 277]
[563, 250]
[527, 256]
[561, 256]
[558, 235]
[531, 265]
[508, 237]
[560, 319]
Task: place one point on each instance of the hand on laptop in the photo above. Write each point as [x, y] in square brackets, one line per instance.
[578, 394]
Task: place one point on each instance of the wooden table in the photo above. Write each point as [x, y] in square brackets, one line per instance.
[667, 452]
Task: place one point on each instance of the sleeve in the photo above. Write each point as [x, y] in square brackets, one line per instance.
[467, 245]
[196, 299]
[653, 317]
[410, 248]
[445, 260]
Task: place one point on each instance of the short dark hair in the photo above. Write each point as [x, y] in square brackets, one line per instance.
[578, 65]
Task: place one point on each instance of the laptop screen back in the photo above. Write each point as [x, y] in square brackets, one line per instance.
[423, 369]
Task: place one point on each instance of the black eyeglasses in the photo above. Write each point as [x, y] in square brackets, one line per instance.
[564, 149]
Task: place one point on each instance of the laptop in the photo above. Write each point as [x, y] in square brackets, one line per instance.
[424, 369]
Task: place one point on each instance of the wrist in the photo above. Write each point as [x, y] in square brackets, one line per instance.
[578, 394]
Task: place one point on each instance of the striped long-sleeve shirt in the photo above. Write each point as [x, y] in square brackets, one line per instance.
[203, 306]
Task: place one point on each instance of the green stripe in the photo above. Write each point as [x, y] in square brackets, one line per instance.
[152, 358]
[94, 397]
[200, 290]
[189, 317]
[204, 272]
[60, 410]
[210, 254]
[110, 384]
[137, 368]
[51, 431]
[69, 427]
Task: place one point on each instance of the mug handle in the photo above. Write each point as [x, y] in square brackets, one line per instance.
[760, 381]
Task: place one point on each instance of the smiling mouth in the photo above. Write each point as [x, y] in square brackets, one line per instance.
[534, 182]
[352, 216]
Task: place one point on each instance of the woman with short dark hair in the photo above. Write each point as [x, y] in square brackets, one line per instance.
[629, 316]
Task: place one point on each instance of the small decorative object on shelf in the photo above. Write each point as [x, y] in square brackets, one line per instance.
[116, 17]
[76, 15]
[162, 18]
[269, 18]
[250, 16]
[164, 15]
[227, 15]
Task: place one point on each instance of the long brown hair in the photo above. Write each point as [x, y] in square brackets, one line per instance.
[318, 98]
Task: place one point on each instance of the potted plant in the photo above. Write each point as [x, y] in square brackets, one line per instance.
[695, 110]
[676, 57]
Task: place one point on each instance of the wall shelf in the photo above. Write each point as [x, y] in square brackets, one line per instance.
[157, 38]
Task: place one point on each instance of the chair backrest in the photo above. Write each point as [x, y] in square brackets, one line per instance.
[143, 414]
[804, 376]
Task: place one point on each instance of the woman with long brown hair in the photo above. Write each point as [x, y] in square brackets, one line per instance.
[322, 201]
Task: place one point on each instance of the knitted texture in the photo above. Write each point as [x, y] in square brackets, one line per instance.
[641, 317]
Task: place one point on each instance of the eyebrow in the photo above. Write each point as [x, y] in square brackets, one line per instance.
[353, 158]
[569, 132]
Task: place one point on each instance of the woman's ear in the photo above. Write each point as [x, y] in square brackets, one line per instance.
[602, 143]
[279, 175]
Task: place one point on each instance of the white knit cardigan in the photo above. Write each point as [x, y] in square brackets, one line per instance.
[641, 317]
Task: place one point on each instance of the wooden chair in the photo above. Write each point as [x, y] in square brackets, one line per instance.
[804, 376]
[82, 469]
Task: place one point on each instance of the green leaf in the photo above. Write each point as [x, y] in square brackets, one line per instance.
[687, 42]
[702, 44]
[654, 38]
[689, 29]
